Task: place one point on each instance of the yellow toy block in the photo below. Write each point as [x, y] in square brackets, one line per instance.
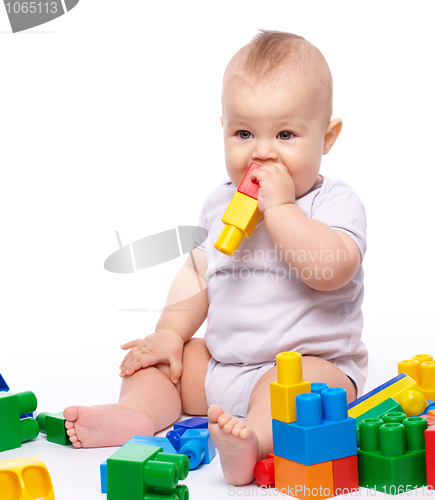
[289, 385]
[25, 479]
[427, 387]
[422, 369]
[399, 389]
[240, 219]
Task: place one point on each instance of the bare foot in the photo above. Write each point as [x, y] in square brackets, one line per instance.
[237, 445]
[108, 425]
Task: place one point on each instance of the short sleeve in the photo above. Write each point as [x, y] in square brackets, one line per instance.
[340, 208]
[198, 238]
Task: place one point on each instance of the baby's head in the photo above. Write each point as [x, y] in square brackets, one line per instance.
[277, 107]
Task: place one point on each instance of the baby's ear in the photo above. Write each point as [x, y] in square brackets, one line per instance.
[332, 132]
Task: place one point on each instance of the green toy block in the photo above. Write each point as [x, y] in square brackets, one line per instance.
[391, 457]
[377, 412]
[13, 430]
[141, 472]
[53, 424]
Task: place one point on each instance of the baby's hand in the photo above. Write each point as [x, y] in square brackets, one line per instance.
[276, 186]
[159, 347]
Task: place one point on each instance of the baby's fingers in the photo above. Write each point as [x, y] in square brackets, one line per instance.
[132, 343]
[133, 364]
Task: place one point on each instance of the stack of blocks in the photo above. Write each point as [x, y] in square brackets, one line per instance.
[314, 440]
[242, 215]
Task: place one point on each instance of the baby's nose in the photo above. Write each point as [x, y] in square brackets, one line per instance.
[263, 151]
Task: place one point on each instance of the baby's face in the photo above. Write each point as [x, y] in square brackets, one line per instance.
[281, 125]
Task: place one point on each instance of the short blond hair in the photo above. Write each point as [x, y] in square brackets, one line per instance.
[272, 55]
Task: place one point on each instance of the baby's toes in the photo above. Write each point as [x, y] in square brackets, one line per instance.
[229, 426]
[225, 419]
[238, 427]
[71, 432]
[246, 433]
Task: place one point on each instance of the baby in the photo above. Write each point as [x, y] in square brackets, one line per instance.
[296, 284]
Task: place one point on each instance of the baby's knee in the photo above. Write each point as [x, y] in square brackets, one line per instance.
[165, 369]
[317, 369]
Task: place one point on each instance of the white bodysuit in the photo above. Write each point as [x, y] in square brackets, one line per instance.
[259, 308]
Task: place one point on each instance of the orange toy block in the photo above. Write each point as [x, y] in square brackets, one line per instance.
[283, 392]
[304, 481]
[345, 475]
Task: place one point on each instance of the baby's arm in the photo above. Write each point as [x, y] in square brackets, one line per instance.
[185, 311]
[323, 258]
[302, 242]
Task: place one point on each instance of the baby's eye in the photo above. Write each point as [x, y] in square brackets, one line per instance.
[285, 135]
[244, 134]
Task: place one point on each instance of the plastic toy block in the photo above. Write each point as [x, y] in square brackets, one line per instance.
[345, 475]
[180, 428]
[3, 385]
[318, 387]
[197, 445]
[192, 423]
[391, 389]
[288, 386]
[240, 219]
[248, 186]
[421, 368]
[304, 481]
[53, 424]
[140, 472]
[379, 410]
[264, 471]
[160, 442]
[13, 430]
[429, 437]
[391, 457]
[313, 439]
[430, 408]
[430, 419]
[25, 479]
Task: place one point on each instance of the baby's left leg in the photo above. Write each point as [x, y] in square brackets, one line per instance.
[242, 443]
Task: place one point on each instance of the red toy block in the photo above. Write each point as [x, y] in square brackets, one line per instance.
[345, 474]
[248, 186]
[429, 437]
[264, 471]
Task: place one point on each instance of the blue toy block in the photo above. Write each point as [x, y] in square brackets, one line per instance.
[198, 446]
[318, 387]
[314, 438]
[181, 427]
[192, 423]
[161, 442]
[430, 406]
[3, 385]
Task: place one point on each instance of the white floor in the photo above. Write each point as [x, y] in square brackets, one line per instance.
[70, 380]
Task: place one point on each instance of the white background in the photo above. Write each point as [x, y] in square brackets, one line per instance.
[109, 120]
